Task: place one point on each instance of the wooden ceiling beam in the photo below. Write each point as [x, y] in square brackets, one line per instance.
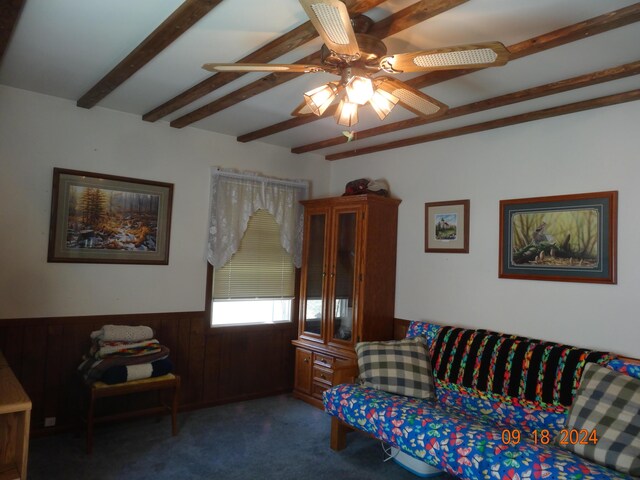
[588, 28]
[9, 15]
[605, 101]
[405, 18]
[185, 16]
[580, 81]
[272, 50]
[561, 36]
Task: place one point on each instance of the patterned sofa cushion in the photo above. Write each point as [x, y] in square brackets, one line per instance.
[468, 445]
[428, 330]
[504, 411]
[624, 366]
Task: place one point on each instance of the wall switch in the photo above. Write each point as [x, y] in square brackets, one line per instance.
[50, 421]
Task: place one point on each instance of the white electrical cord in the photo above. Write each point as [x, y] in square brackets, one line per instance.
[388, 451]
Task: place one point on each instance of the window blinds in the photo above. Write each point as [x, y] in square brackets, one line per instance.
[260, 268]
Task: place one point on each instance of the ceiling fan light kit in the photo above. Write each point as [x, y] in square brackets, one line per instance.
[356, 57]
[359, 90]
[319, 99]
[383, 102]
[347, 113]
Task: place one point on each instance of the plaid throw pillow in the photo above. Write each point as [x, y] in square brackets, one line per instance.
[401, 367]
[608, 402]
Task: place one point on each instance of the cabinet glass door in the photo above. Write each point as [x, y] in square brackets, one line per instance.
[344, 276]
[313, 308]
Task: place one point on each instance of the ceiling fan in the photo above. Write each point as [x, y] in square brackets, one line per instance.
[357, 57]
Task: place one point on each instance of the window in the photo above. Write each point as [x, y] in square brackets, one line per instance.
[258, 284]
[254, 245]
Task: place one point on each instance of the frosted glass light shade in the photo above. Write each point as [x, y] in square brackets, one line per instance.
[359, 90]
[383, 102]
[347, 113]
[319, 99]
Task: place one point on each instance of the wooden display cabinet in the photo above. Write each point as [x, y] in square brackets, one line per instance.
[347, 289]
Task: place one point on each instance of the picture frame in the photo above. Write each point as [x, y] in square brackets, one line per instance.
[447, 226]
[565, 238]
[97, 218]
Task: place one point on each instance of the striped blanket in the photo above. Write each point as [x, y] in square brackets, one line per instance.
[92, 369]
[104, 349]
[129, 373]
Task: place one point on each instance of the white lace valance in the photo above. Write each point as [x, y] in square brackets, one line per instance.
[236, 196]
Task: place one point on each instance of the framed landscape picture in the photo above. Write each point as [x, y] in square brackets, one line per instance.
[447, 226]
[567, 238]
[99, 218]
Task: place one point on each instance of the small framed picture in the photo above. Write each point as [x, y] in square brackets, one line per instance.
[565, 238]
[447, 226]
[99, 218]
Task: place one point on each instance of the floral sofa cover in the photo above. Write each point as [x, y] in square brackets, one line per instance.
[501, 401]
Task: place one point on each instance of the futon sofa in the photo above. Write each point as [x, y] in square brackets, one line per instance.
[501, 406]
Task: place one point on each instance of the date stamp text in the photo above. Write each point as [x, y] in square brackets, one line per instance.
[567, 436]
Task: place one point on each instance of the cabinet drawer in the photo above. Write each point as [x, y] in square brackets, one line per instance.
[323, 360]
[322, 375]
[318, 389]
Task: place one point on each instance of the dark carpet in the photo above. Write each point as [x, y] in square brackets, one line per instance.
[271, 438]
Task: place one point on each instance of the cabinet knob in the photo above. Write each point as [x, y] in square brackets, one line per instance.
[306, 360]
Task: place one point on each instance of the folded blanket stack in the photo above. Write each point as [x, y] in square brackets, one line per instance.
[123, 353]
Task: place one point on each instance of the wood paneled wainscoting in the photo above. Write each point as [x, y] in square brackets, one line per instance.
[217, 365]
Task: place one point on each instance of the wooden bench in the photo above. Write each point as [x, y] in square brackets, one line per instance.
[15, 416]
[103, 390]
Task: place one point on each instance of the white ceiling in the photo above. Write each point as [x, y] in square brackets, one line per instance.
[64, 47]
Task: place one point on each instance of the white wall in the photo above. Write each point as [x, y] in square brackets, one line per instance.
[39, 132]
[584, 152]
[589, 151]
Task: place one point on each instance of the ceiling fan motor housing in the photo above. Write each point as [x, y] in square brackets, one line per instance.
[371, 50]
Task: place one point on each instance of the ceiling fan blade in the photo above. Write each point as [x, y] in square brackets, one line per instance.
[479, 55]
[411, 98]
[262, 67]
[331, 20]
